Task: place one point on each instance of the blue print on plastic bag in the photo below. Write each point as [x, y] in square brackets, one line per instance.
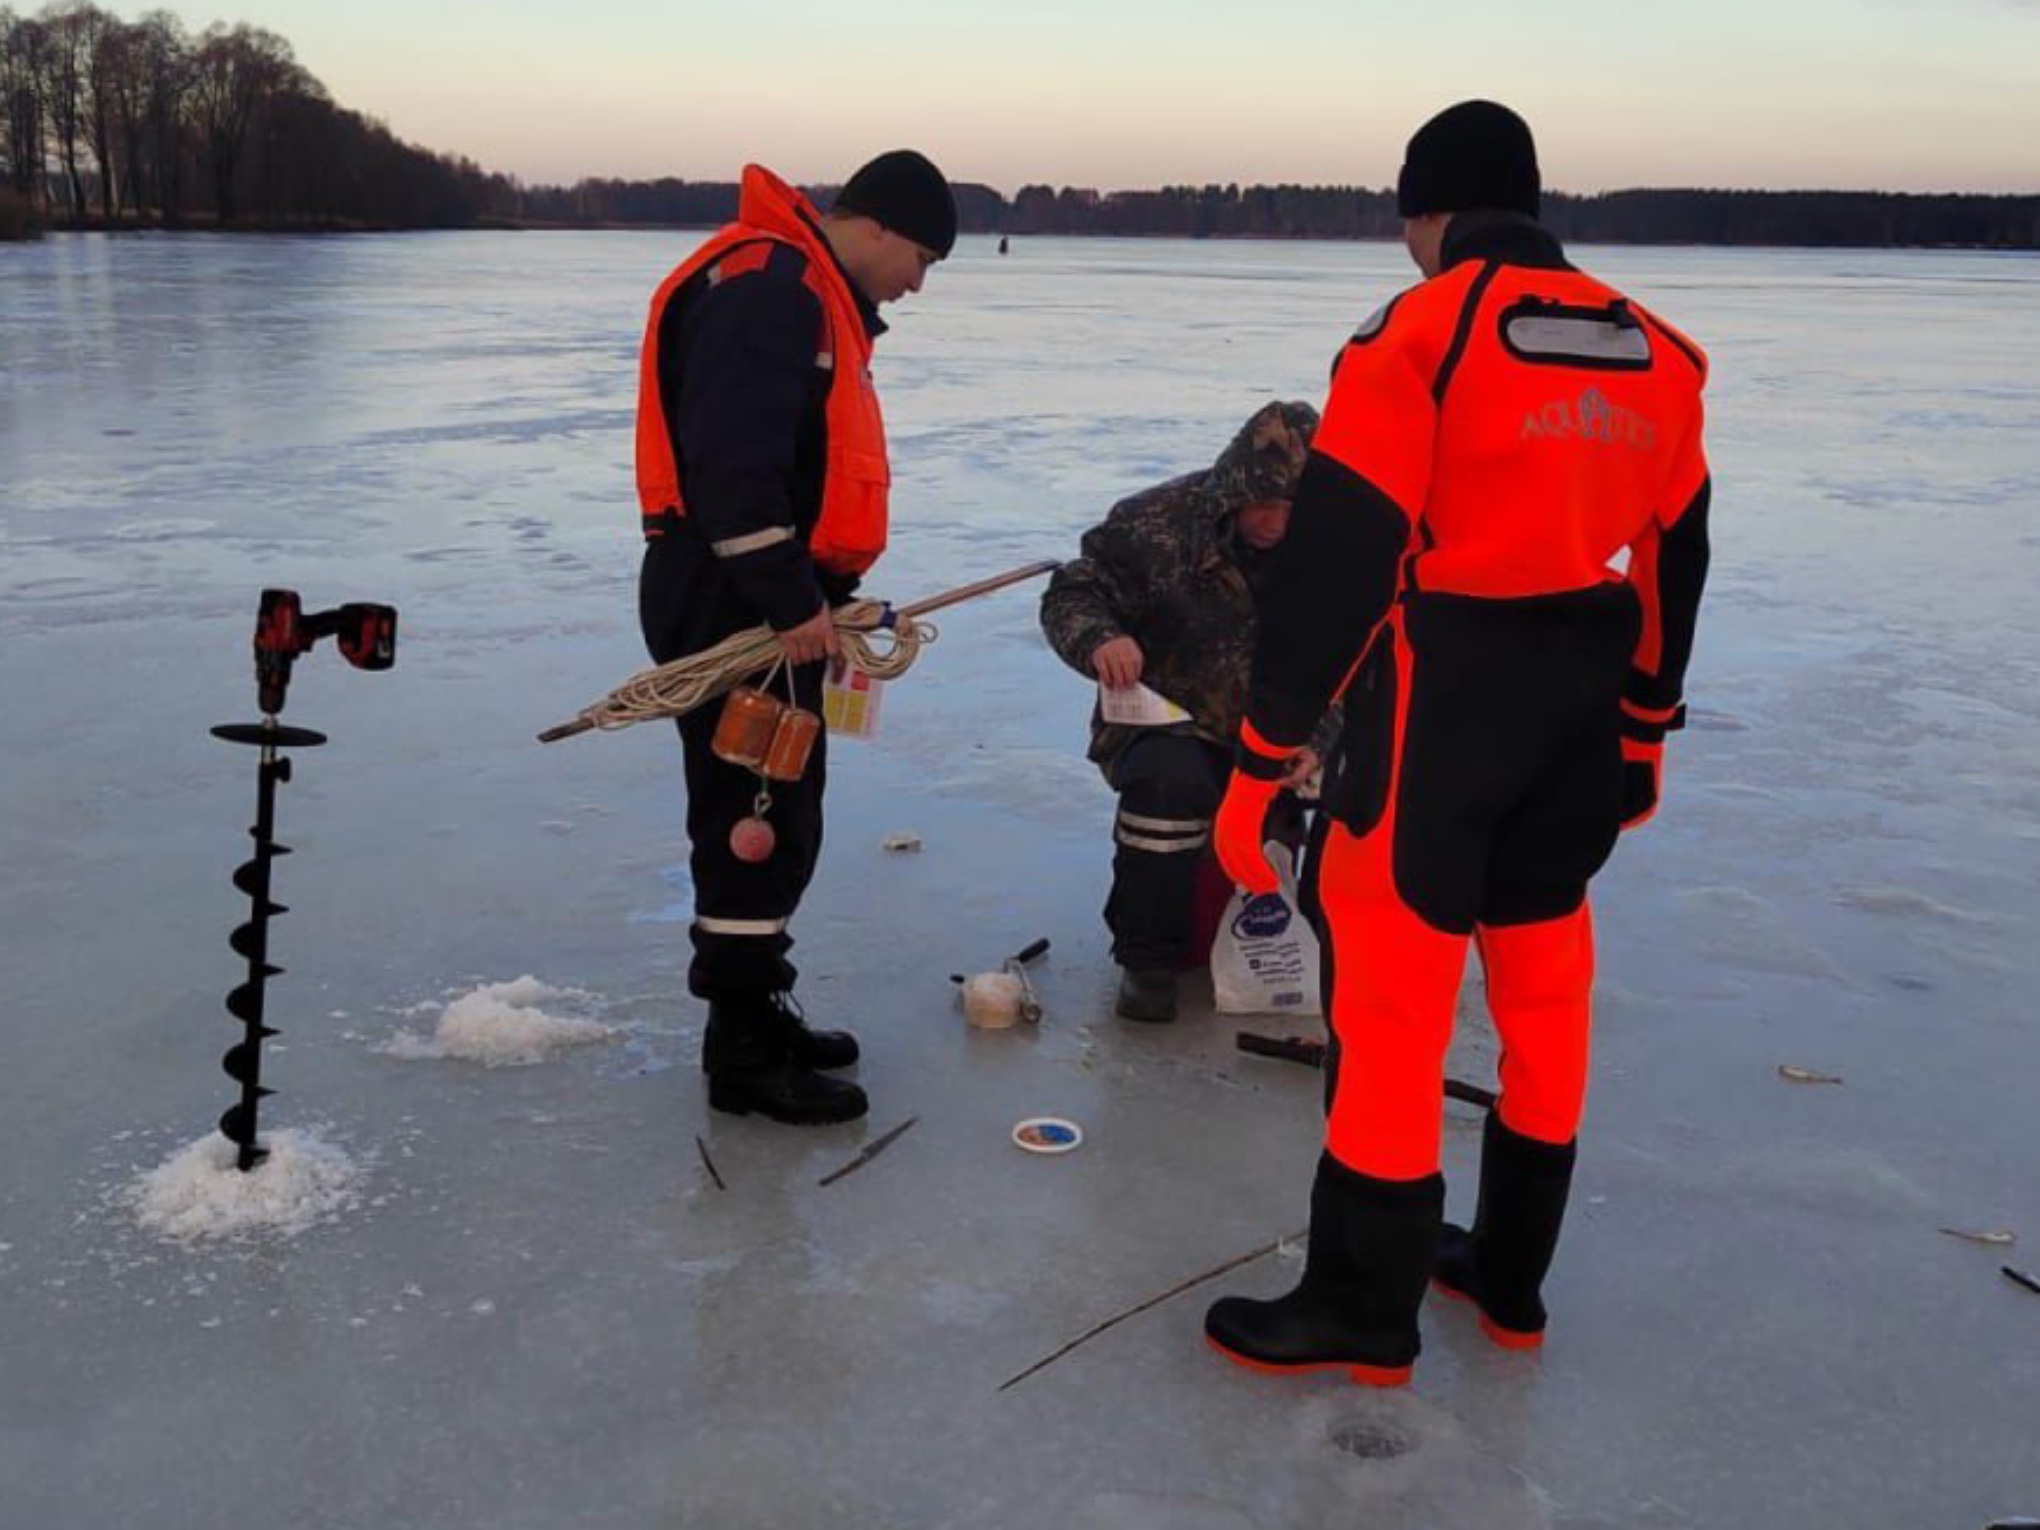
[1263, 917]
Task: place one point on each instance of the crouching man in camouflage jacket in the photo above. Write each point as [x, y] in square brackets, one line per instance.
[1163, 596]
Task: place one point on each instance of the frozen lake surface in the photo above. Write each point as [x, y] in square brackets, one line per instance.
[530, 1305]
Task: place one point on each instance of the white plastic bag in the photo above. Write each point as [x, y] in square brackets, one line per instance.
[1265, 957]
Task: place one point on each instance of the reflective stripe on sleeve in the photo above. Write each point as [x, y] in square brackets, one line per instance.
[755, 541]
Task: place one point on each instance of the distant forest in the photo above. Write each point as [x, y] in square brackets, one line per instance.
[108, 124]
[1354, 212]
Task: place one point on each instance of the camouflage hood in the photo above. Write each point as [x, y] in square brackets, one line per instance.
[1162, 569]
[1265, 459]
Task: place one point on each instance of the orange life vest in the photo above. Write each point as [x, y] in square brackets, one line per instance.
[850, 531]
[1531, 423]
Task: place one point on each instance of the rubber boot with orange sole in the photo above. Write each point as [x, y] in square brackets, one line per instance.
[1371, 1249]
[1499, 1264]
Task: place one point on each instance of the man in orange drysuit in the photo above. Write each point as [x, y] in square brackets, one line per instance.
[1495, 437]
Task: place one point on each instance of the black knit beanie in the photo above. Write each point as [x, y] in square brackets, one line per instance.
[903, 191]
[1475, 154]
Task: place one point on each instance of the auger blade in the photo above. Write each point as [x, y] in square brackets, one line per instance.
[248, 877]
[245, 941]
[245, 1002]
[243, 1060]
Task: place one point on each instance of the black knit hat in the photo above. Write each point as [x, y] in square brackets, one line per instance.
[903, 191]
[1475, 154]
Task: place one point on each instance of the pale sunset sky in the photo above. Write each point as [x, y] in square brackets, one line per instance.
[1903, 95]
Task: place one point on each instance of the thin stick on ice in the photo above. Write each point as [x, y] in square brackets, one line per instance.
[1153, 1301]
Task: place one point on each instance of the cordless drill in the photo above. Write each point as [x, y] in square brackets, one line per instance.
[366, 634]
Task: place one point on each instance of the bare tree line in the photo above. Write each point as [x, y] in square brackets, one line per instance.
[1655, 216]
[1658, 215]
[111, 123]
[108, 122]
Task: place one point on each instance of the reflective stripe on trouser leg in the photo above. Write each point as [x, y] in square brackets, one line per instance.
[1160, 836]
[1168, 786]
[1540, 980]
[740, 926]
[1154, 882]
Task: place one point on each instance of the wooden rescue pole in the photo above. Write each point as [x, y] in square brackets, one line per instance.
[982, 587]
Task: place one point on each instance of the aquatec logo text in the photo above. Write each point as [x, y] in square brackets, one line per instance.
[1590, 417]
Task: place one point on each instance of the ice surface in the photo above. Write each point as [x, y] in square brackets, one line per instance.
[538, 1310]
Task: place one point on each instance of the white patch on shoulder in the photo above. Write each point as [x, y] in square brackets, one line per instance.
[1373, 324]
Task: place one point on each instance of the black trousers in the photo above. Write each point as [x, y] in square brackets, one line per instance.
[1169, 787]
[741, 909]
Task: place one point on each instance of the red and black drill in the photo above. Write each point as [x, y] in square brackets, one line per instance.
[366, 636]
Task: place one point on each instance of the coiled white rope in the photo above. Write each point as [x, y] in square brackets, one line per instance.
[881, 642]
[873, 639]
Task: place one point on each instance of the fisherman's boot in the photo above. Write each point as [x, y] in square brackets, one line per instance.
[748, 1055]
[1500, 1264]
[1372, 1242]
[809, 1048]
[1147, 994]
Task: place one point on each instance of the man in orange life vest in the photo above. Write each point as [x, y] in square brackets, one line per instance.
[1495, 437]
[762, 475]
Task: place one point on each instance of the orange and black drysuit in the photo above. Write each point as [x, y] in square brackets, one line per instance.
[1496, 438]
[762, 483]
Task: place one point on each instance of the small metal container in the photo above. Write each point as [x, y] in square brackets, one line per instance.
[793, 740]
[744, 733]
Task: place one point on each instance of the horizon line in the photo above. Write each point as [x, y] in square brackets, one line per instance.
[1332, 186]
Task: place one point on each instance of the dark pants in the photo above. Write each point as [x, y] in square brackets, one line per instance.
[1169, 787]
[686, 604]
[732, 963]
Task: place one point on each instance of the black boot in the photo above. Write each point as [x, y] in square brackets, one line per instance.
[811, 1048]
[1500, 1264]
[1372, 1242]
[1147, 994]
[778, 1015]
[751, 1054]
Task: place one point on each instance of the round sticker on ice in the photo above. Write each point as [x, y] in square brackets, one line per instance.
[1047, 1134]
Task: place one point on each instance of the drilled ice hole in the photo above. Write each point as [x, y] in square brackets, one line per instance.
[1371, 1442]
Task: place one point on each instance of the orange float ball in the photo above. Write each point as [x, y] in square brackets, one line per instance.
[752, 839]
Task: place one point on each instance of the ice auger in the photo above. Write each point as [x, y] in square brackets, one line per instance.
[367, 638]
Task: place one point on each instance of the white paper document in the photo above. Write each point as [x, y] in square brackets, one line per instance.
[1138, 707]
